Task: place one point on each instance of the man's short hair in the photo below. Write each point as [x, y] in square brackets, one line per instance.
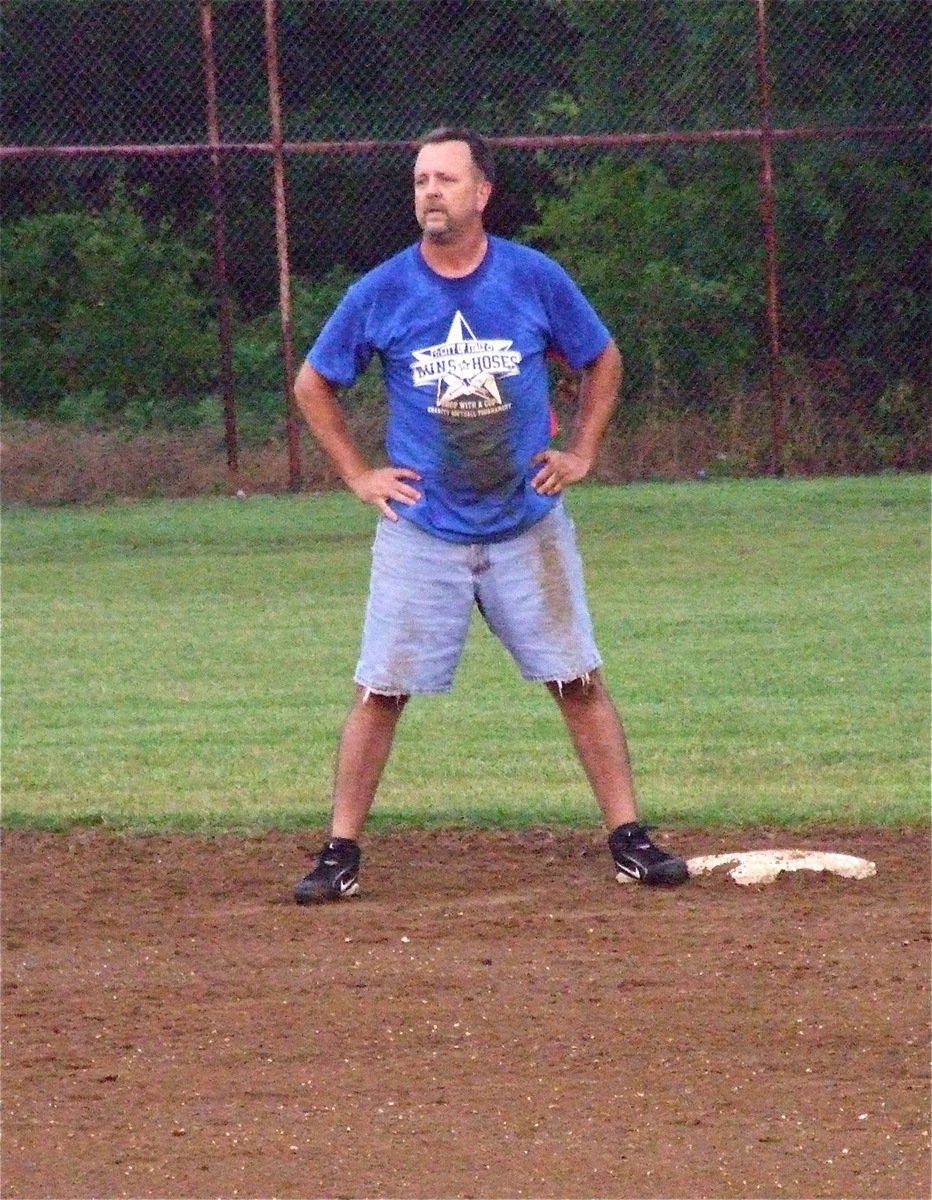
[478, 147]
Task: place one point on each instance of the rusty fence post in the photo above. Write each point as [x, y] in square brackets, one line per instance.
[220, 259]
[281, 239]
[767, 210]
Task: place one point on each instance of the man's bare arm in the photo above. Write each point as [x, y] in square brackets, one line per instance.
[316, 398]
[598, 395]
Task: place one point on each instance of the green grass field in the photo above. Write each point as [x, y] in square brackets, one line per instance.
[187, 665]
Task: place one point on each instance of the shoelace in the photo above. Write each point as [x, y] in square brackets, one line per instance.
[639, 839]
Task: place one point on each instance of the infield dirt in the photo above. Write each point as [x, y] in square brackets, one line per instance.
[494, 1017]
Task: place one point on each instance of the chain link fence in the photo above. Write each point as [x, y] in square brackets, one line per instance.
[740, 186]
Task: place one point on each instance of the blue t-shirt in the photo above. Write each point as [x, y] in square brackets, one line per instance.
[463, 361]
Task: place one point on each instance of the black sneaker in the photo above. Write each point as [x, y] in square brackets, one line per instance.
[335, 875]
[638, 859]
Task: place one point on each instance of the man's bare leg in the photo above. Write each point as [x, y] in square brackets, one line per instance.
[598, 738]
[365, 744]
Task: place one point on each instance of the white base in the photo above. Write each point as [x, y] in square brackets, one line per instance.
[763, 866]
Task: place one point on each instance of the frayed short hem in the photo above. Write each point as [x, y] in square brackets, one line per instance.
[396, 694]
[562, 681]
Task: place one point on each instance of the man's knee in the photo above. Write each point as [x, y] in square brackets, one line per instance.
[382, 701]
[583, 688]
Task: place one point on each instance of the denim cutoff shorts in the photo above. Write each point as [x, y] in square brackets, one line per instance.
[528, 589]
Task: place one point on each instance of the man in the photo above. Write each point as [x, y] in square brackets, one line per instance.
[471, 503]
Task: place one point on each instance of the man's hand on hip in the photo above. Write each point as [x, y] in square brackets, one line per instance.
[558, 469]
[378, 485]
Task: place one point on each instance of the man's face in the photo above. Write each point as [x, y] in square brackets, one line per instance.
[449, 193]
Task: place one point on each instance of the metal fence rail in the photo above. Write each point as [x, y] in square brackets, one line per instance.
[277, 133]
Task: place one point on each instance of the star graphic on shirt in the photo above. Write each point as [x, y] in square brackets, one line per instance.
[453, 385]
[464, 365]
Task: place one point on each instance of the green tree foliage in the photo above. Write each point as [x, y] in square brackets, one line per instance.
[130, 71]
[104, 319]
[841, 62]
[101, 84]
[672, 251]
[671, 266]
[858, 231]
[257, 356]
[426, 62]
[107, 321]
[661, 64]
[672, 64]
[108, 311]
